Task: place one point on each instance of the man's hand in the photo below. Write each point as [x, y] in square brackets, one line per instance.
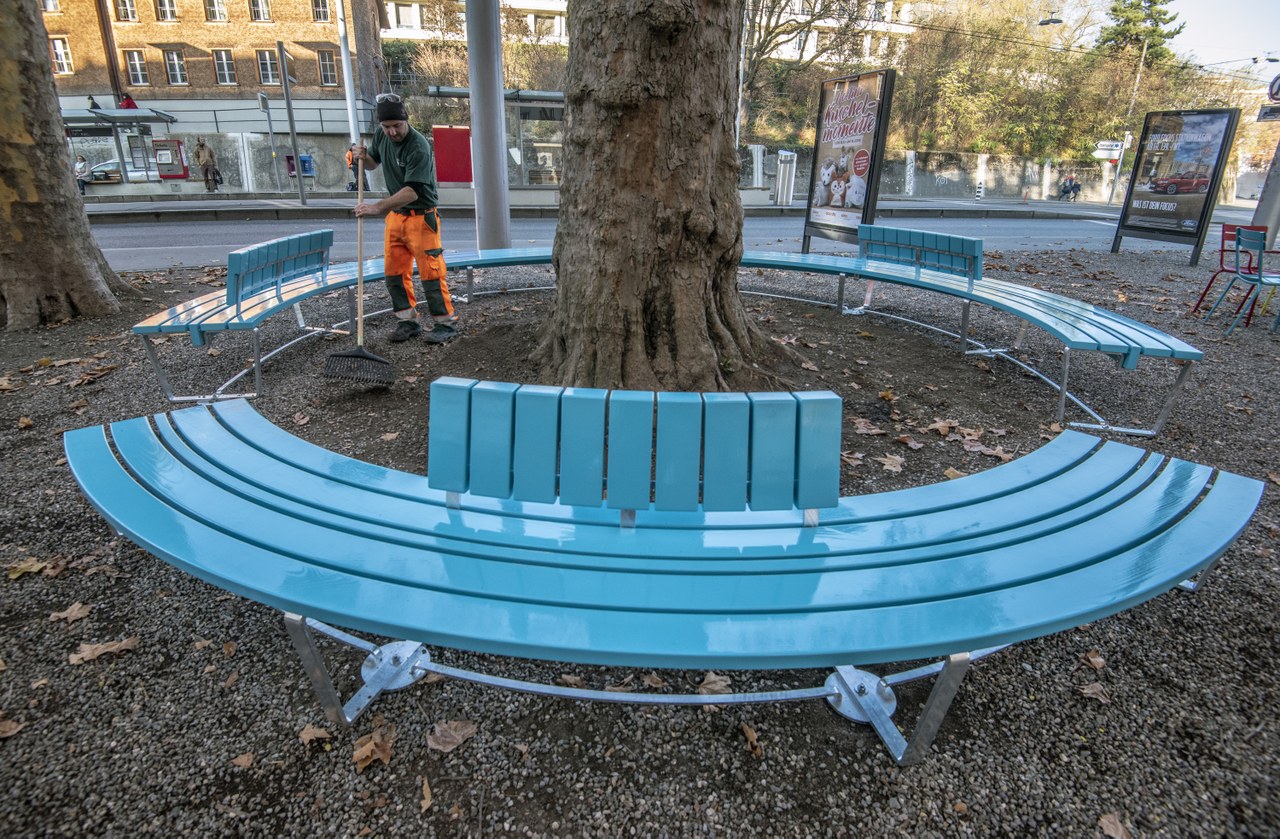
[366, 209]
[360, 153]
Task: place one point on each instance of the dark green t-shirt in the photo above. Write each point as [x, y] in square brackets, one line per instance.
[406, 163]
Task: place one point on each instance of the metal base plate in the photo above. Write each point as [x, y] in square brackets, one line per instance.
[397, 652]
[869, 688]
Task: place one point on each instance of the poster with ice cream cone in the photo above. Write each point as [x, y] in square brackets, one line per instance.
[848, 149]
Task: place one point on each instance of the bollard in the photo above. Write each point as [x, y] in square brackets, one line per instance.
[978, 194]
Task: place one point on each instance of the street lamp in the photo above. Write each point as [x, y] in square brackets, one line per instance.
[1051, 20]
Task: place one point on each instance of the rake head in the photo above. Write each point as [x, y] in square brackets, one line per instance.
[359, 365]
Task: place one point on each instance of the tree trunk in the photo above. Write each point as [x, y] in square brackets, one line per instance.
[51, 269]
[650, 229]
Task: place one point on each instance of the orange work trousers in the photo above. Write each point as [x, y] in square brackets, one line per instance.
[416, 238]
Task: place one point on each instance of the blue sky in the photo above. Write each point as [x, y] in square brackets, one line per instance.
[1225, 30]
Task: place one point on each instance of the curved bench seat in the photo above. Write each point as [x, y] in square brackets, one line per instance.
[1073, 532]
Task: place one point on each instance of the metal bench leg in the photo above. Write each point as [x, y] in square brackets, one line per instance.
[257, 359]
[155, 365]
[866, 698]
[964, 326]
[1062, 385]
[391, 666]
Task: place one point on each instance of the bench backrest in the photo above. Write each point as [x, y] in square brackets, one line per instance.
[959, 255]
[635, 449]
[269, 264]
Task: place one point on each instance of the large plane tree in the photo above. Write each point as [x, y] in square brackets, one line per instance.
[650, 227]
[51, 269]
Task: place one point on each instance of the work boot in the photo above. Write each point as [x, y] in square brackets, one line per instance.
[441, 333]
[405, 330]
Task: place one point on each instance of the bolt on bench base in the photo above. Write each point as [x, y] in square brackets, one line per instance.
[858, 695]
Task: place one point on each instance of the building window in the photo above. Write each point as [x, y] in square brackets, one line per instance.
[60, 55]
[268, 67]
[126, 10]
[166, 9]
[136, 65]
[259, 10]
[328, 69]
[50, 5]
[320, 11]
[544, 26]
[224, 67]
[405, 18]
[175, 67]
[215, 9]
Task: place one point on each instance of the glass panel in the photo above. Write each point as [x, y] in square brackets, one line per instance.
[535, 134]
[259, 10]
[137, 66]
[215, 9]
[166, 9]
[268, 72]
[320, 10]
[60, 55]
[224, 67]
[328, 69]
[175, 66]
[125, 10]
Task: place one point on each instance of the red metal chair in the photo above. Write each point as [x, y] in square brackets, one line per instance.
[1226, 260]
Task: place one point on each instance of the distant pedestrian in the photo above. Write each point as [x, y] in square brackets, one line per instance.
[208, 164]
[81, 171]
[93, 104]
[127, 103]
[353, 163]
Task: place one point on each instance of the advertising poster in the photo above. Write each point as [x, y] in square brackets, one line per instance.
[853, 116]
[1176, 175]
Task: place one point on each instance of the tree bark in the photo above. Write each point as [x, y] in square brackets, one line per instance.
[650, 228]
[51, 269]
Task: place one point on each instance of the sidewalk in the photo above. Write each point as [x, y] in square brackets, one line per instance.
[336, 205]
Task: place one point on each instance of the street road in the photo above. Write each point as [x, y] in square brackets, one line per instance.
[153, 245]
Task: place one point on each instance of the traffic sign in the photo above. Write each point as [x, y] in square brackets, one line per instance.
[1273, 89]
[1106, 154]
[1109, 145]
[1269, 113]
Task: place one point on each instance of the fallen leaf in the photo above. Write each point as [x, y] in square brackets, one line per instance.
[910, 442]
[753, 744]
[30, 565]
[78, 405]
[891, 462]
[523, 749]
[449, 735]
[39, 683]
[1095, 690]
[88, 652]
[215, 352]
[961, 808]
[76, 611]
[1273, 477]
[852, 458]
[456, 812]
[713, 682]
[244, 761]
[310, 733]
[952, 473]
[865, 426]
[301, 418]
[654, 681]
[1110, 825]
[374, 746]
[3, 666]
[425, 804]
[1094, 659]
[888, 396]
[232, 679]
[8, 728]
[389, 436]
[229, 649]
[621, 687]
[202, 643]
[410, 380]
[569, 680]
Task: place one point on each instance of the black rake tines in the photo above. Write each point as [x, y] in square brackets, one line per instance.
[359, 365]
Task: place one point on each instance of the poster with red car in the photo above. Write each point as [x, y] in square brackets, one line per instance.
[853, 116]
[1176, 174]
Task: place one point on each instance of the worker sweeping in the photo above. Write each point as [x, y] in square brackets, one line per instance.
[412, 230]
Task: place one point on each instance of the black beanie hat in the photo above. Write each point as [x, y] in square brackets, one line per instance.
[389, 111]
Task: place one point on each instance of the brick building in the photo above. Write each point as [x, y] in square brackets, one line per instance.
[210, 63]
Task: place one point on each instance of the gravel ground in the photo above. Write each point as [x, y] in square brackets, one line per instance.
[196, 729]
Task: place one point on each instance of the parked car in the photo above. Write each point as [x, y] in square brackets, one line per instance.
[108, 172]
[1181, 182]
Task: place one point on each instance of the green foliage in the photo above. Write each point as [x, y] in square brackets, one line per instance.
[1140, 25]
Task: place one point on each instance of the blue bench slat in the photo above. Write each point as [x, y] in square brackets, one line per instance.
[357, 584]
[582, 429]
[678, 452]
[818, 449]
[630, 449]
[773, 450]
[493, 421]
[449, 421]
[724, 470]
[537, 442]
